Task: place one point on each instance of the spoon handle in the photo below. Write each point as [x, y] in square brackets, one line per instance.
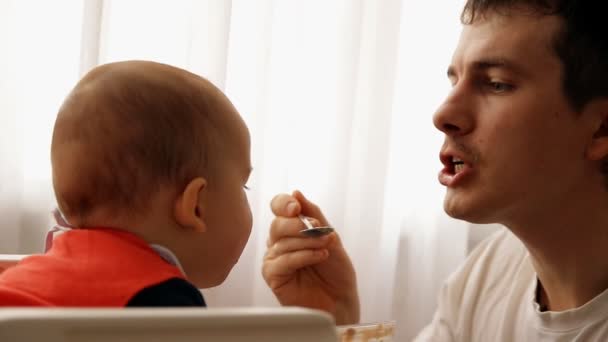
[306, 222]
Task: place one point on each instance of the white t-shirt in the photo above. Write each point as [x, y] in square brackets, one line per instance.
[492, 298]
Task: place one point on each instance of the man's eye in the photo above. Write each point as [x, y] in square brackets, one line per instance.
[500, 87]
[246, 187]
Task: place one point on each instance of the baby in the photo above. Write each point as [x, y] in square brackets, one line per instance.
[150, 165]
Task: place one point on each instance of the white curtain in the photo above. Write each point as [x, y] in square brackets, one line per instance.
[338, 96]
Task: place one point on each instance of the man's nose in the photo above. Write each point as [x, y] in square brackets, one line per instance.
[455, 116]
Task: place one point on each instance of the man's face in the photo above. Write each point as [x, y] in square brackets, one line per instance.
[514, 148]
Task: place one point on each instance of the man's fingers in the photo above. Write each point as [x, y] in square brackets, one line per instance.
[285, 205]
[310, 209]
[286, 223]
[289, 263]
[292, 244]
[282, 227]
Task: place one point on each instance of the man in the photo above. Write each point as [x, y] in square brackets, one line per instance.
[526, 145]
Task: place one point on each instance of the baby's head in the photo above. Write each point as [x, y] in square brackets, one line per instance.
[161, 152]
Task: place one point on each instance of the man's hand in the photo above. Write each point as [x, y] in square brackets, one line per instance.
[313, 272]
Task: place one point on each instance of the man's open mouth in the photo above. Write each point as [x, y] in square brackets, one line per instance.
[457, 165]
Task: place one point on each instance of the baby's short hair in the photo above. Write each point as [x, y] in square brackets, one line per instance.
[129, 128]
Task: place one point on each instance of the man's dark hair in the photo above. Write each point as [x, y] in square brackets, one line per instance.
[581, 44]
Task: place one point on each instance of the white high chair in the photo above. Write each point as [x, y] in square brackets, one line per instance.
[8, 260]
[175, 324]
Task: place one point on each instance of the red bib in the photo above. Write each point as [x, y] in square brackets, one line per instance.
[86, 267]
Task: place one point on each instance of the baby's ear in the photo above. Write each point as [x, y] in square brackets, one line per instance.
[188, 212]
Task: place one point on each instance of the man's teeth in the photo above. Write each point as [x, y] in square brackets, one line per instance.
[458, 165]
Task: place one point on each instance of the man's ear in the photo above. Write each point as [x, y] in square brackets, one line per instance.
[188, 212]
[598, 148]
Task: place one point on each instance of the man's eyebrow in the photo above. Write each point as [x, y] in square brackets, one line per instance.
[492, 63]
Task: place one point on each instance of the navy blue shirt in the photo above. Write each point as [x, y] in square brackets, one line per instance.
[173, 292]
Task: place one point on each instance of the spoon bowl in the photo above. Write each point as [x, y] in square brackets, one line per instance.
[312, 231]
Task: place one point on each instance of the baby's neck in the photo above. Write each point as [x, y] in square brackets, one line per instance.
[153, 226]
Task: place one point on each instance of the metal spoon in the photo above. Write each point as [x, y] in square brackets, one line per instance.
[312, 231]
